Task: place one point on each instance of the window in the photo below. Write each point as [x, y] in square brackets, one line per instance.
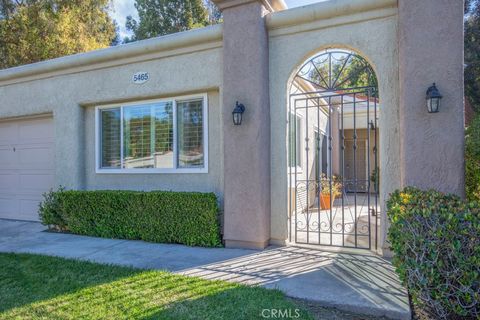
[325, 155]
[190, 134]
[148, 136]
[321, 155]
[295, 142]
[154, 136]
[110, 122]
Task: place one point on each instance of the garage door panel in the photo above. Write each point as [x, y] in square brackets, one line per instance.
[36, 182]
[19, 209]
[8, 133]
[27, 206]
[36, 130]
[35, 156]
[8, 182]
[26, 166]
[8, 158]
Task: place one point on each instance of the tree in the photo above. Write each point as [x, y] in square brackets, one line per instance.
[35, 30]
[472, 53]
[215, 15]
[162, 17]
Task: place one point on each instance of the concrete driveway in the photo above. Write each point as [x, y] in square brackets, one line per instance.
[361, 283]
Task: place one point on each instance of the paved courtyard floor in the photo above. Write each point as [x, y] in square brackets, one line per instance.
[357, 282]
[349, 223]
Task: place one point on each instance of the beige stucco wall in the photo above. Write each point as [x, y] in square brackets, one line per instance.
[247, 152]
[71, 98]
[431, 43]
[373, 35]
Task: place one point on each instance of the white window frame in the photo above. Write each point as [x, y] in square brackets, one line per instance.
[175, 169]
[316, 129]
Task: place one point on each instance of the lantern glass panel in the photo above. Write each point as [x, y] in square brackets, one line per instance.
[237, 118]
[433, 105]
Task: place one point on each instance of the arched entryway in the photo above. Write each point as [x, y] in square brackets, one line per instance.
[333, 154]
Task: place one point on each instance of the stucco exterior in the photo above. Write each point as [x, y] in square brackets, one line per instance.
[252, 58]
[432, 144]
[72, 97]
[246, 147]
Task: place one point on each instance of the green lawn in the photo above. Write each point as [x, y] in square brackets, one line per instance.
[41, 287]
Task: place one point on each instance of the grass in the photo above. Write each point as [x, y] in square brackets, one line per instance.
[41, 287]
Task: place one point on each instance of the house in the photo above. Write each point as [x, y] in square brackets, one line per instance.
[157, 114]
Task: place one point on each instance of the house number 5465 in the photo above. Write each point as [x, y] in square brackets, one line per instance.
[140, 77]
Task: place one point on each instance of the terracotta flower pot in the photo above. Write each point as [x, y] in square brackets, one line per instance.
[326, 202]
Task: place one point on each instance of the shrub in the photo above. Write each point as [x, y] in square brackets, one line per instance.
[50, 211]
[436, 243]
[157, 216]
[472, 160]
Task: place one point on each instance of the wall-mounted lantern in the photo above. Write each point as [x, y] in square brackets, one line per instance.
[237, 114]
[433, 99]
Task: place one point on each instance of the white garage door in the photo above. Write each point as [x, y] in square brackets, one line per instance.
[26, 166]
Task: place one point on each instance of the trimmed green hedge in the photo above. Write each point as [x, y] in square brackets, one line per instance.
[436, 243]
[158, 216]
[472, 160]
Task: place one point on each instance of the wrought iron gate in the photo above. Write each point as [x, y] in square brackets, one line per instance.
[332, 153]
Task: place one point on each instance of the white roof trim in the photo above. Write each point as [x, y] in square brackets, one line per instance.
[324, 10]
[139, 48]
[270, 5]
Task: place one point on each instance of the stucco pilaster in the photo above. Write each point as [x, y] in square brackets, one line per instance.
[69, 147]
[246, 147]
[431, 50]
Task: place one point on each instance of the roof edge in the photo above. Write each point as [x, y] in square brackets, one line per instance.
[324, 10]
[139, 48]
[278, 5]
[270, 5]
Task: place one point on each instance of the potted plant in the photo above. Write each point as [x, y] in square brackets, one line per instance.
[329, 190]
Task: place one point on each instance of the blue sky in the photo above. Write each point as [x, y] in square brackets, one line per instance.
[123, 8]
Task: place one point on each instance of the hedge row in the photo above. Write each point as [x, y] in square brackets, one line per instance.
[157, 216]
[436, 243]
[472, 160]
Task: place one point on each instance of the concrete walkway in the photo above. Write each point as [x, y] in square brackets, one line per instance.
[360, 283]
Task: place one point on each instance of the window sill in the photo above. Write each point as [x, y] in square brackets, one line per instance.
[152, 171]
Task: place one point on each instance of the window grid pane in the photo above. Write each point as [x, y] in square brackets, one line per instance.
[110, 138]
[137, 126]
[190, 134]
[163, 135]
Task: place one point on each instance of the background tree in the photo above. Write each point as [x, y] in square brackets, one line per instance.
[472, 53]
[35, 30]
[214, 14]
[161, 17]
